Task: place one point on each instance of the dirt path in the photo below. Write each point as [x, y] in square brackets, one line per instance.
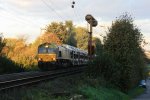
[146, 94]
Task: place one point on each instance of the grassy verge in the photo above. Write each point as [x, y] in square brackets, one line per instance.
[101, 93]
[69, 86]
[136, 92]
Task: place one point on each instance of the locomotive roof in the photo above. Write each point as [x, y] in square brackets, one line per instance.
[73, 48]
[48, 44]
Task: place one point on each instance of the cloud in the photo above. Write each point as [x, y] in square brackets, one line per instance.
[147, 46]
[104, 9]
[27, 16]
[144, 25]
[21, 3]
[107, 9]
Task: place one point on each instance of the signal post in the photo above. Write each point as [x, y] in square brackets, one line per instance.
[93, 23]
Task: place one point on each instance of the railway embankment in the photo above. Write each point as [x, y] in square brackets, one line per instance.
[74, 87]
[9, 81]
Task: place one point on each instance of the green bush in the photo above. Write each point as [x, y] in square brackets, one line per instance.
[8, 66]
[105, 67]
[123, 43]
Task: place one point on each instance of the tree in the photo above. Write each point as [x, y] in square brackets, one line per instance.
[65, 32]
[69, 34]
[19, 52]
[6, 64]
[59, 29]
[69, 25]
[98, 45]
[71, 39]
[81, 37]
[2, 44]
[48, 37]
[123, 43]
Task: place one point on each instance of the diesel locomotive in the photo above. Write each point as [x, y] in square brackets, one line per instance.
[51, 56]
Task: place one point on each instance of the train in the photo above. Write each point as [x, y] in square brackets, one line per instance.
[52, 56]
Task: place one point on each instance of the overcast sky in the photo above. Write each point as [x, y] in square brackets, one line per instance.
[27, 17]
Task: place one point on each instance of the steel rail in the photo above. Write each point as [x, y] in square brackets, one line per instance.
[37, 78]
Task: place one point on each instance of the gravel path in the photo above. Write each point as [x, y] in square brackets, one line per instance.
[146, 94]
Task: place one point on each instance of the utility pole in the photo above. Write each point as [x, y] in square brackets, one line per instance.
[93, 23]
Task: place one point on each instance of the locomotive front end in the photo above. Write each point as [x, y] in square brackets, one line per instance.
[47, 56]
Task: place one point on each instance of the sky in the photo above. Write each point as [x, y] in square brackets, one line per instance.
[27, 17]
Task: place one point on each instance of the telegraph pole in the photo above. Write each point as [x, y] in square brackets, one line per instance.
[93, 23]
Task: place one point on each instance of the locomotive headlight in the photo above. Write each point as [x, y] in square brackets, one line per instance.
[39, 59]
[46, 46]
[54, 58]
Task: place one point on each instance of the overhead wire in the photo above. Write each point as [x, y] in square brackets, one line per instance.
[52, 3]
[52, 9]
[76, 15]
[22, 20]
[76, 12]
[58, 15]
[73, 6]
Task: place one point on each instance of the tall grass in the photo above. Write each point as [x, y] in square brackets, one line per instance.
[101, 93]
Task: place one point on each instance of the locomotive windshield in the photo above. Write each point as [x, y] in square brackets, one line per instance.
[46, 50]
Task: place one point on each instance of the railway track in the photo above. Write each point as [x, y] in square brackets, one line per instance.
[12, 81]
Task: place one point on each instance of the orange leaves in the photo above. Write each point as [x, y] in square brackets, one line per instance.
[18, 51]
[50, 38]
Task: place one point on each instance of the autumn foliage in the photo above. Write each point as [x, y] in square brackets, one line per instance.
[25, 55]
[6, 64]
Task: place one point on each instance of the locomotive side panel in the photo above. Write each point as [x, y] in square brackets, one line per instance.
[64, 57]
[52, 57]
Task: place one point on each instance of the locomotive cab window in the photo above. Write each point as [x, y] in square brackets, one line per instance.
[59, 54]
[74, 55]
[51, 50]
[71, 53]
[42, 50]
